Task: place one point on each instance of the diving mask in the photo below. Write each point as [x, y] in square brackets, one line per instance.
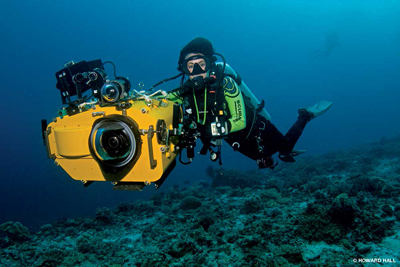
[196, 64]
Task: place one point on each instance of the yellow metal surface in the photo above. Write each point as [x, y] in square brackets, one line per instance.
[69, 143]
[72, 142]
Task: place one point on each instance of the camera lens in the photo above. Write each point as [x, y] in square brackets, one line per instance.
[79, 78]
[110, 92]
[113, 142]
[93, 76]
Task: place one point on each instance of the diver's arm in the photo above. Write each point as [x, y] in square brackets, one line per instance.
[234, 99]
[174, 97]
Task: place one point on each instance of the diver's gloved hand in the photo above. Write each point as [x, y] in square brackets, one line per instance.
[288, 157]
[314, 111]
[266, 162]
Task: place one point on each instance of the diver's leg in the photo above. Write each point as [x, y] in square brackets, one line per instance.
[247, 147]
[265, 139]
[270, 142]
[260, 144]
[270, 138]
[293, 135]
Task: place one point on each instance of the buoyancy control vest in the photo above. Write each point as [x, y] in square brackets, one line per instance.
[208, 104]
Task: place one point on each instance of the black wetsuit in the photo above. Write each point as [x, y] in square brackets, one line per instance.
[259, 139]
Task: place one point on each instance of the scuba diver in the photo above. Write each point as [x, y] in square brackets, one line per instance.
[224, 108]
[331, 41]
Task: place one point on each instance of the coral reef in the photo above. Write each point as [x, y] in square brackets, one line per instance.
[322, 211]
[232, 178]
[11, 232]
[190, 203]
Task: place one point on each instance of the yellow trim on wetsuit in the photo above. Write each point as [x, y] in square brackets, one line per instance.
[205, 107]
[234, 99]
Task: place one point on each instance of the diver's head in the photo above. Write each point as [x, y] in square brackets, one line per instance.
[196, 58]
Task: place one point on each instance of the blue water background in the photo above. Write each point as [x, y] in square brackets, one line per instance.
[270, 43]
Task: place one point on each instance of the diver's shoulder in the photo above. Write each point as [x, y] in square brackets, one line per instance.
[230, 87]
[228, 83]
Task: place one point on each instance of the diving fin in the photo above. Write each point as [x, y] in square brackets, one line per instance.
[296, 152]
[289, 157]
[320, 108]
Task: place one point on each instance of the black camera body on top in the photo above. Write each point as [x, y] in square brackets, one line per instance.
[77, 78]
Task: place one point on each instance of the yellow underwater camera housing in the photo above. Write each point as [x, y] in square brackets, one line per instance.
[112, 133]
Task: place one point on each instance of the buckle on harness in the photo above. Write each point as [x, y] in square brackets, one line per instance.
[263, 127]
[235, 146]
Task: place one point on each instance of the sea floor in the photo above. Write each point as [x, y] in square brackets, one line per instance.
[337, 209]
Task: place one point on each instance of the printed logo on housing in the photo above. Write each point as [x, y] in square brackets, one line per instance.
[374, 260]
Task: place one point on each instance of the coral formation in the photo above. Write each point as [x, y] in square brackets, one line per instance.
[190, 203]
[322, 211]
[14, 232]
[232, 178]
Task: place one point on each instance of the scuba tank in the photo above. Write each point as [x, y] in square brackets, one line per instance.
[229, 71]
